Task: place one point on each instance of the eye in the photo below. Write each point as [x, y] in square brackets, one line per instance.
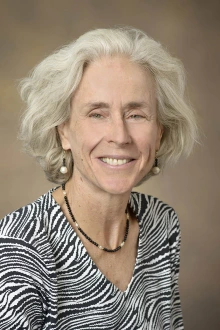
[136, 116]
[95, 115]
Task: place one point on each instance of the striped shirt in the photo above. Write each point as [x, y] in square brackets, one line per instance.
[48, 280]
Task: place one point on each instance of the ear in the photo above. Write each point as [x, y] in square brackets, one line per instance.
[159, 136]
[63, 131]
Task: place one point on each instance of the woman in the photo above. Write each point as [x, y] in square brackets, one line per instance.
[103, 114]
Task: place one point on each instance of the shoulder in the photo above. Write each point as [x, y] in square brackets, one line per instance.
[25, 221]
[24, 236]
[152, 210]
[27, 266]
[142, 203]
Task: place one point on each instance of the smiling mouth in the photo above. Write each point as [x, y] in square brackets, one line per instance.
[114, 161]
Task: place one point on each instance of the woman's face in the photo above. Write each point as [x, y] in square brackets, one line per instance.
[113, 131]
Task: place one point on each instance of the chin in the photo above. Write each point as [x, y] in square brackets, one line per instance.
[118, 188]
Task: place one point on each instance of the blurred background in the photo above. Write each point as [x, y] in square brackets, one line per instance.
[31, 30]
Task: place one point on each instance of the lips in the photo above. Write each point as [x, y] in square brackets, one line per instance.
[115, 161]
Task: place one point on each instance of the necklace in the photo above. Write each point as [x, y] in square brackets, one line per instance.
[89, 238]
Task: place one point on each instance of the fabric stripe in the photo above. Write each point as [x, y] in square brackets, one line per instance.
[48, 280]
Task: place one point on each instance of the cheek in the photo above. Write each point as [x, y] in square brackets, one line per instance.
[148, 142]
[83, 144]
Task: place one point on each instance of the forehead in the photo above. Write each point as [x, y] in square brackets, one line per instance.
[115, 76]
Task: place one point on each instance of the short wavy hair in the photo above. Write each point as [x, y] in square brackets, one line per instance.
[49, 88]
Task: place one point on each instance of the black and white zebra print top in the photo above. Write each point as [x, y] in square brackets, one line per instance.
[48, 281]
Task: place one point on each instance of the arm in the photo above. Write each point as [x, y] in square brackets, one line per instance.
[22, 297]
[175, 242]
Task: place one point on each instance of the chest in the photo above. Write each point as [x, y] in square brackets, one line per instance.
[90, 289]
[95, 285]
[117, 267]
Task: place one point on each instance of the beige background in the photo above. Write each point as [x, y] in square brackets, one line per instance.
[30, 30]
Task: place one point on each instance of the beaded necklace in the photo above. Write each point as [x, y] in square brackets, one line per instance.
[89, 238]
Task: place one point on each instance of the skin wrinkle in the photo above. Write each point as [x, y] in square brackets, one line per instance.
[127, 109]
[129, 105]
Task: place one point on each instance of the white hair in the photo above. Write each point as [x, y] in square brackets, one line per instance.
[51, 85]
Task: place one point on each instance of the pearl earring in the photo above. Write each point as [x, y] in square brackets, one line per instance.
[63, 168]
[155, 168]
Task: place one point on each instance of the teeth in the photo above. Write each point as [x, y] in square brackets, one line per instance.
[114, 161]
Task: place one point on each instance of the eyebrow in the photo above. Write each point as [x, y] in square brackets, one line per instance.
[129, 105]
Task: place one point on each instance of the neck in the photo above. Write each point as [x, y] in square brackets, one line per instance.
[105, 206]
[100, 214]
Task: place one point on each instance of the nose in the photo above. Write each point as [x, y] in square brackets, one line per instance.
[118, 132]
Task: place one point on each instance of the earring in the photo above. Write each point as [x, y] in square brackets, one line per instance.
[63, 168]
[156, 169]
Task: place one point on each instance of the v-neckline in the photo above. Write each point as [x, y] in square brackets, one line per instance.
[71, 231]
